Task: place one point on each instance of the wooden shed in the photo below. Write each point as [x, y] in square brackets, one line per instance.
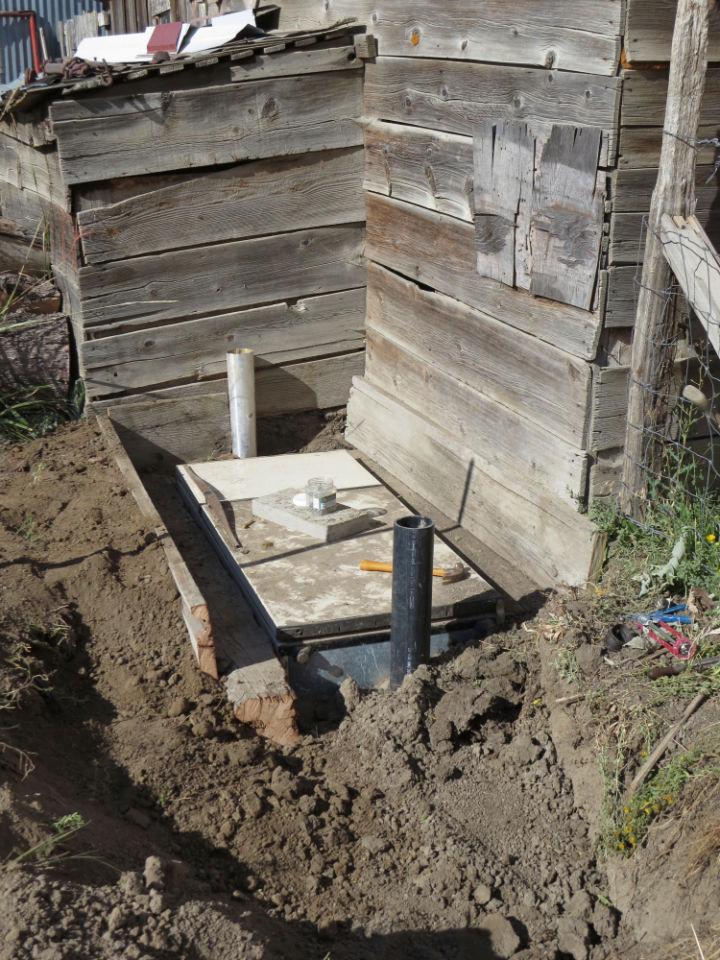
[510, 151]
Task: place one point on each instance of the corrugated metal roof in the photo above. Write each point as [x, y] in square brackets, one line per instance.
[15, 54]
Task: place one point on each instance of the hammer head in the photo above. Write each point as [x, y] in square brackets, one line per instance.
[457, 572]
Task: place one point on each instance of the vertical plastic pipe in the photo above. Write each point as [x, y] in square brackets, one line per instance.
[411, 596]
[241, 394]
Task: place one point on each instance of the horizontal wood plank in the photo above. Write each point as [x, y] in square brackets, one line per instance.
[440, 251]
[300, 60]
[545, 386]
[640, 146]
[127, 136]
[425, 167]
[649, 31]
[183, 424]
[645, 94]
[30, 168]
[631, 189]
[628, 232]
[195, 349]
[510, 448]
[254, 199]
[555, 542]
[455, 97]
[181, 284]
[582, 36]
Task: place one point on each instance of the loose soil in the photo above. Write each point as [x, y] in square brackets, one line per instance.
[457, 818]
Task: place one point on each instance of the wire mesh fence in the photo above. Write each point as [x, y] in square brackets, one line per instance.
[680, 450]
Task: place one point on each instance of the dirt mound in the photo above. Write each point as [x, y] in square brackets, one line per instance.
[455, 818]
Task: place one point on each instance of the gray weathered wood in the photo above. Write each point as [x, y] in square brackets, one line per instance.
[126, 136]
[504, 164]
[31, 168]
[640, 146]
[455, 97]
[649, 30]
[318, 189]
[673, 194]
[293, 62]
[609, 408]
[627, 232]
[645, 93]
[631, 189]
[582, 36]
[621, 299]
[567, 217]
[35, 352]
[555, 542]
[439, 251]
[195, 349]
[542, 384]
[425, 167]
[182, 424]
[513, 450]
[182, 283]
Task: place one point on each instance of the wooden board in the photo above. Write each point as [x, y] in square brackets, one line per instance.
[547, 387]
[302, 60]
[628, 233]
[621, 299]
[455, 97]
[609, 408]
[127, 136]
[424, 167]
[30, 168]
[581, 36]
[645, 93]
[182, 283]
[195, 349]
[640, 146]
[552, 542]
[35, 352]
[511, 449]
[649, 30]
[304, 589]
[439, 251]
[181, 424]
[262, 476]
[249, 200]
[255, 681]
[631, 189]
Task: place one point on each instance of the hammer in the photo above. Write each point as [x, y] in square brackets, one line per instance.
[457, 571]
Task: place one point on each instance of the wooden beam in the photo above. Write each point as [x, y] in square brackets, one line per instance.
[180, 284]
[195, 349]
[673, 194]
[126, 136]
[694, 261]
[295, 62]
[439, 251]
[455, 97]
[552, 542]
[545, 386]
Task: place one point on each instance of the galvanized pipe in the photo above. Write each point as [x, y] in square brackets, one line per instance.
[241, 395]
[411, 596]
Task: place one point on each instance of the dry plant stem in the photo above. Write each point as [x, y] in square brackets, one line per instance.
[674, 194]
[659, 751]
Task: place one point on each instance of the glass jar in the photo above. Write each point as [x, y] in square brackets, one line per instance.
[321, 495]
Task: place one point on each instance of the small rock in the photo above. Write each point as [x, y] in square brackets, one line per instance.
[282, 783]
[573, 937]
[374, 845]
[179, 707]
[503, 939]
[482, 894]
[580, 905]
[524, 750]
[154, 873]
[203, 729]
[254, 806]
[227, 829]
[116, 919]
[350, 693]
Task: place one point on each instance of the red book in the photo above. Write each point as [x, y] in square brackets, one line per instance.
[164, 37]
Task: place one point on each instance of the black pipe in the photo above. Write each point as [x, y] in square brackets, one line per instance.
[411, 596]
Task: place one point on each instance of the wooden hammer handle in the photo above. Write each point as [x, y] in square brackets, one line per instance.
[379, 567]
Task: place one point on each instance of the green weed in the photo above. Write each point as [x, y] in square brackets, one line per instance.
[49, 851]
[566, 664]
[28, 528]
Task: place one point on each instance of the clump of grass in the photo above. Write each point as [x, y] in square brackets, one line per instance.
[566, 664]
[35, 411]
[20, 672]
[50, 851]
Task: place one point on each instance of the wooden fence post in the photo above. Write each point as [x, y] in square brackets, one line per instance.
[674, 194]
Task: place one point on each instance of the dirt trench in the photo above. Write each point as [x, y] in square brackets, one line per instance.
[455, 818]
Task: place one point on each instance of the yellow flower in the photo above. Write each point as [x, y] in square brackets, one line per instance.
[621, 846]
[631, 840]
[626, 809]
[710, 537]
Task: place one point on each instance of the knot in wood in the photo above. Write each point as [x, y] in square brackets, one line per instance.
[165, 100]
[269, 108]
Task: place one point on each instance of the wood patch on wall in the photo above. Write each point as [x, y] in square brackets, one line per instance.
[538, 208]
